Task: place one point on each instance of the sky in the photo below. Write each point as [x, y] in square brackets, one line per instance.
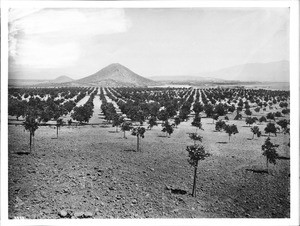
[47, 43]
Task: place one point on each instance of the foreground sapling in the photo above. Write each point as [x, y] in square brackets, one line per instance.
[196, 153]
[138, 132]
[31, 124]
[269, 150]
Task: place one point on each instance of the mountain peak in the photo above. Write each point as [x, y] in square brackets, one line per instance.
[115, 65]
[116, 74]
[62, 79]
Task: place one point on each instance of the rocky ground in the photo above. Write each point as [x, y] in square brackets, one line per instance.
[93, 172]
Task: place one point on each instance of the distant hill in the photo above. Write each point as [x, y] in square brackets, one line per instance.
[273, 72]
[62, 79]
[39, 83]
[185, 78]
[115, 75]
[24, 82]
[260, 72]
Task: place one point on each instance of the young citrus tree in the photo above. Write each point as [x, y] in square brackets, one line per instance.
[31, 124]
[176, 121]
[238, 116]
[269, 150]
[249, 121]
[231, 129]
[262, 119]
[197, 123]
[255, 130]
[196, 153]
[283, 123]
[215, 117]
[220, 125]
[152, 122]
[248, 112]
[117, 121]
[195, 137]
[59, 123]
[138, 132]
[126, 126]
[270, 128]
[167, 128]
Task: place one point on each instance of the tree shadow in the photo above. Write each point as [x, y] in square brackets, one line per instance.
[176, 191]
[249, 139]
[22, 153]
[222, 142]
[283, 157]
[113, 131]
[130, 150]
[104, 126]
[261, 171]
[163, 136]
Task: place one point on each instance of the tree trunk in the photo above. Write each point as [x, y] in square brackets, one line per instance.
[56, 131]
[33, 142]
[138, 144]
[124, 134]
[229, 138]
[116, 129]
[30, 141]
[267, 163]
[195, 180]
[253, 136]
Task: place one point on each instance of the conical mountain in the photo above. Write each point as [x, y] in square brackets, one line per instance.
[62, 79]
[115, 75]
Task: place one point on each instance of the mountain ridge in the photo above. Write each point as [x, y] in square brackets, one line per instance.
[276, 71]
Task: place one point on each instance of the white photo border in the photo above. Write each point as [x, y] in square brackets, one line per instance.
[294, 89]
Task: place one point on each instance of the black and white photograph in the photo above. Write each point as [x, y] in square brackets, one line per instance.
[126, 112]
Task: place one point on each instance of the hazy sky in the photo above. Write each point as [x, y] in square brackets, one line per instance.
[47, 43]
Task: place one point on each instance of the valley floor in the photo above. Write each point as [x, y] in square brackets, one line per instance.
[92, 171]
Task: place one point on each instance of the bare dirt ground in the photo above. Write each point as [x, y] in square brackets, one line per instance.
[92, 171]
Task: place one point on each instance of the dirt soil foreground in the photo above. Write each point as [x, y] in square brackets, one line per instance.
[93, 172]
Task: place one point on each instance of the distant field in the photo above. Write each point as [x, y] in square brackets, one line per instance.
[270, 86]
